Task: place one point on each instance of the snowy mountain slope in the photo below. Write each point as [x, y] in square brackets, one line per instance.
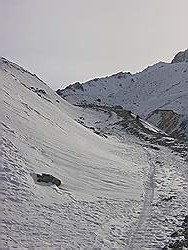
[163, 86]
[114, 191]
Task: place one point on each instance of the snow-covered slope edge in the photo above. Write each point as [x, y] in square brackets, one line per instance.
[163, 86]
[114, 194]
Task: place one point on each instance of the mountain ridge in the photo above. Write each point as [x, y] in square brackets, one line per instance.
[182, 56]
[158, 87]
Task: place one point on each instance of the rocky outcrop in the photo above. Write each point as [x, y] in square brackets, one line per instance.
[182, 56]
[48, 178]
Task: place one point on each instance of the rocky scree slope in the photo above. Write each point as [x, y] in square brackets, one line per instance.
[159, 93]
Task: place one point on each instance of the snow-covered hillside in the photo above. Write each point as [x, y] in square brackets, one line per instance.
[163, 86]
[119, 190]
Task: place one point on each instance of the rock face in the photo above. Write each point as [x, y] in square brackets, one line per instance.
[176, 125]
[47, 178]
[182, 56]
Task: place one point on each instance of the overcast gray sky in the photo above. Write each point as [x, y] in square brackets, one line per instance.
[64, 41]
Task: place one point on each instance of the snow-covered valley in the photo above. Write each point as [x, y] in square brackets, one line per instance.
[124, 181]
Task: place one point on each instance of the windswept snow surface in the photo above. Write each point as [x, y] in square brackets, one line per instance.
[113, 189]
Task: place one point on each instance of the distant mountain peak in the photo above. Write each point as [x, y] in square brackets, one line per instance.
[181, 56]
[162, 86]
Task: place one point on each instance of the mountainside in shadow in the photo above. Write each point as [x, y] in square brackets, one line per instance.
[161, 88]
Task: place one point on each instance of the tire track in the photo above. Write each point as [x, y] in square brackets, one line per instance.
[138, 235]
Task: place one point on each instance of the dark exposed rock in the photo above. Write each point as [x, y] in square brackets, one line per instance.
[78, 85]
[182, 56]
[36, 90]
[47, 178]
[174, 234]
[96, 79]
[58, 91]
[121, 74]
[137, 117]
[41, 91]
[97, 132]
[179, 238]
[168, 198]
[154, 147]
[186, 220]
[176, 245]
